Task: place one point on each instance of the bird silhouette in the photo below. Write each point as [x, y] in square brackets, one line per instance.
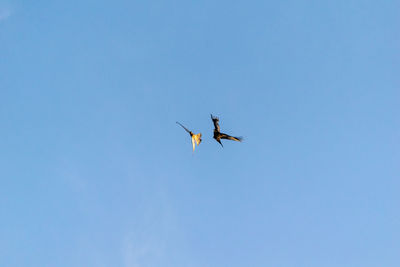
[196, 138]
[218, 135]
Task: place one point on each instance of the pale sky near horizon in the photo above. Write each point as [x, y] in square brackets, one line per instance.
[95, 171]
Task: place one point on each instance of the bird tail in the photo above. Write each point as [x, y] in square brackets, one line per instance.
[219, 141]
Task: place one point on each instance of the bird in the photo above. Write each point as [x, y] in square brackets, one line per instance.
[218, 135]
[196, 138]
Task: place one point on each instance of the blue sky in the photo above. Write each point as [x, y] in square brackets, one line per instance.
[95, 172]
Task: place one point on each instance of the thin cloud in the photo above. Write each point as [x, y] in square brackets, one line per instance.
[5, 13]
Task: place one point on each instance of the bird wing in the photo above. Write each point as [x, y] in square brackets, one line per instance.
[215, 121]
[183, 127]
[225, 136]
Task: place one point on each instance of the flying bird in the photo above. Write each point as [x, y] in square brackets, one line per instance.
[196, 138]
[218, 135]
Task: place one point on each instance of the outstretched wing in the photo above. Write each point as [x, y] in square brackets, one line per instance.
[183, 127]
[215, 121]
[225, 136]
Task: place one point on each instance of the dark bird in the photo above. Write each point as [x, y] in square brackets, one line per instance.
[218, 135]
[196, 138]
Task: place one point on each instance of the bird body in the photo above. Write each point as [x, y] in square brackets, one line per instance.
[218, 135]
[196, 138]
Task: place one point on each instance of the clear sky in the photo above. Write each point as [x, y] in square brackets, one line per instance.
[94, 170]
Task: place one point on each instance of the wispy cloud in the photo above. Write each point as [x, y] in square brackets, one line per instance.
[5, 13]
[153, 238]
[145, 243]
